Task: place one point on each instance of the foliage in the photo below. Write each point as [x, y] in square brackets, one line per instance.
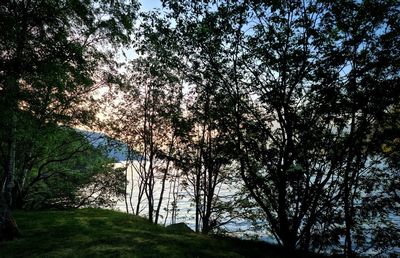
[146, 118]
[51, 50]
[70, 172]
[61, 168]
[298, 99]
[305, 85]
[50, 60]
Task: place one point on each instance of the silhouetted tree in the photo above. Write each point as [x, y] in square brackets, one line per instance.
[307, 80]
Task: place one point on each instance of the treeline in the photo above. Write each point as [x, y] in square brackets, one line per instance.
[294, 102]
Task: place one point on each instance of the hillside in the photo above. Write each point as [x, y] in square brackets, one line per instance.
[113, 148]
[104, 233]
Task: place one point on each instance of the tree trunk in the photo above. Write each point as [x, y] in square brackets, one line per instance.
[164, 179]
[175, 192]
[8, 227]
[347, 188]
[197, 201]
[10, 174]
[126, 181]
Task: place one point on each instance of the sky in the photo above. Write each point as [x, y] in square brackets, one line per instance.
[147, 5]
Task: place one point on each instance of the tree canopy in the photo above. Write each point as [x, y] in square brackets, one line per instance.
[305, 84]
[52, 55]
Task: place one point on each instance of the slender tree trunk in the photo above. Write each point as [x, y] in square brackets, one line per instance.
[348, 224]
[151, 180]
[126, 181]
[131, 190]
[164, 178]
[204, 219]
[141, 184]
[175, 193]
[168, 202]
[150, 194]
[139, 198]
[209, 185]
[197, 200]
[348, 217]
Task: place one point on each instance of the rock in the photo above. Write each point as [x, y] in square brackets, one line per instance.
[179, 228]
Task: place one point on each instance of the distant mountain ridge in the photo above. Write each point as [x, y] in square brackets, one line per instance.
[113, 148]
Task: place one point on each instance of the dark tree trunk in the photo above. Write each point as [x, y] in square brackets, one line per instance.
[164, 179]
[8, 227]
[126, 181]
[197, 201]
[348, 250]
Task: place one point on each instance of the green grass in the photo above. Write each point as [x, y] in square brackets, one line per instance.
[104, 233]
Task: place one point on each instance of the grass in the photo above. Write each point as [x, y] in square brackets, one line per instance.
[104, 233]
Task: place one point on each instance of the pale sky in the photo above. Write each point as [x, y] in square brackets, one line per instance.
[147, 5]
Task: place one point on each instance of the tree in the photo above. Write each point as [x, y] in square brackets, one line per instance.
[148, 116]
[308, 80]
[49, 54]
[66, 171]
[371, 78]
[202, 146]
[205, 157]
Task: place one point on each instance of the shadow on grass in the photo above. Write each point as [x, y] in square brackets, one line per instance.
[103, 233]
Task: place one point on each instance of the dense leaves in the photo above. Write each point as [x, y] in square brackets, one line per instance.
[66, 171]
[51, 55]
[305, 84]
[294, 102]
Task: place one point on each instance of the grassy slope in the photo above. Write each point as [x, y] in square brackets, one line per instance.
[103, 233]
